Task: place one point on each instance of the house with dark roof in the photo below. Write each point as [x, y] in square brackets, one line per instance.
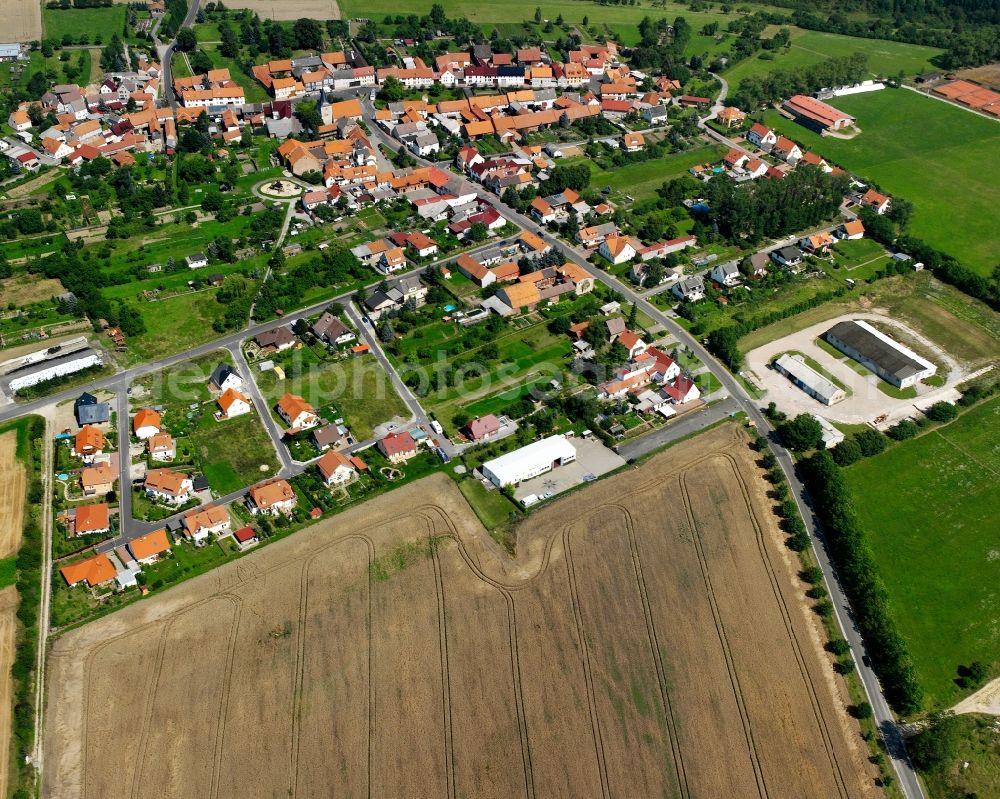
[224, 377]
[331, 330]
[89, 411]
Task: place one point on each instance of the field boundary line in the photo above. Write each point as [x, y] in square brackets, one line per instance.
[723, 638]
[300, 645]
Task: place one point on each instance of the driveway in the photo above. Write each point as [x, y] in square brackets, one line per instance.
[867, 402]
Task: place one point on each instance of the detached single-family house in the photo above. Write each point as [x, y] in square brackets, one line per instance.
[196, 261]
[816, 243]
[762, 136]
[89, 411]
[96, 481]
[331, 330]
[199, 524]
[398, 447]
[335, 469]
[632, 342]
[168, 486]
[682, 390]
[91, 519]
[94, 571]
[790, 256]
[727, 274]
[146, 423]
[232, 404]
[277, 340]
[161, 446]
[879, 203]
[617, 249]
[854, 229]
[483, 428]
[297, 413]
[689, 289]
[225, 377]
[88, 443]
[271, 498]
[633, 142]
[786, 150]
[148, 548]
[328, 436]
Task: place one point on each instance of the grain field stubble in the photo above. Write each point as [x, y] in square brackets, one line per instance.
[649, 641]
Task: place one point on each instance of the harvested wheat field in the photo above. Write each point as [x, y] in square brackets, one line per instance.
[290, 9]
[649, 641]
[22, 20]
[12, 494]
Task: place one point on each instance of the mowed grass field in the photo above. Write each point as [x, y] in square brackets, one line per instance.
[936, 155]
[641, 180]
[516, 11]
[929, 507]
[77, 21]
[885, 58]
[624, 653]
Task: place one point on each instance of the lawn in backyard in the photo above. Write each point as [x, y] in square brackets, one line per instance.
[178, 386]
[492, 507]
[231, 453]
[929, 152]
[885, 58]
[928, 507]
[641, 180]
[94, 22]
[358, 388]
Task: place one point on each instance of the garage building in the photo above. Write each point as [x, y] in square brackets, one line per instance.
[529, 461]
[889, 359]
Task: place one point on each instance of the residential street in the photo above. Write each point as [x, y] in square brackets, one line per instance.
[738, 400]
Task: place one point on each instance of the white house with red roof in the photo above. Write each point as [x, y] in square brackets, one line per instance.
[761, 135]
[398, 447]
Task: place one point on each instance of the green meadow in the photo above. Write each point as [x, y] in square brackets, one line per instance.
[811, 47]
[929, 509]
[937, 156]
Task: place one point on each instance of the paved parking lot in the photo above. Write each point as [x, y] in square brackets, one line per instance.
[867, 402]
[592, 457]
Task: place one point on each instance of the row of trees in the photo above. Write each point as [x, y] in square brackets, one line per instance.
[759, 90]
[858, 573]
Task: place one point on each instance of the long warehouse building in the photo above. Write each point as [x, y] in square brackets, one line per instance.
[529, 461]
[889, 359]
[809, 380]
[36, 373]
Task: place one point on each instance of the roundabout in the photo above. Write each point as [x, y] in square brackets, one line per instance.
[279, 189]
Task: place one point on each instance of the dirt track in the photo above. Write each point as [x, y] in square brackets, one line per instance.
[649, 641]
[12, 495]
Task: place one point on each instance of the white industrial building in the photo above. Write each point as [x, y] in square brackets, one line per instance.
[809, 380]
[529, 461]
[39, 372]
[889, 359]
